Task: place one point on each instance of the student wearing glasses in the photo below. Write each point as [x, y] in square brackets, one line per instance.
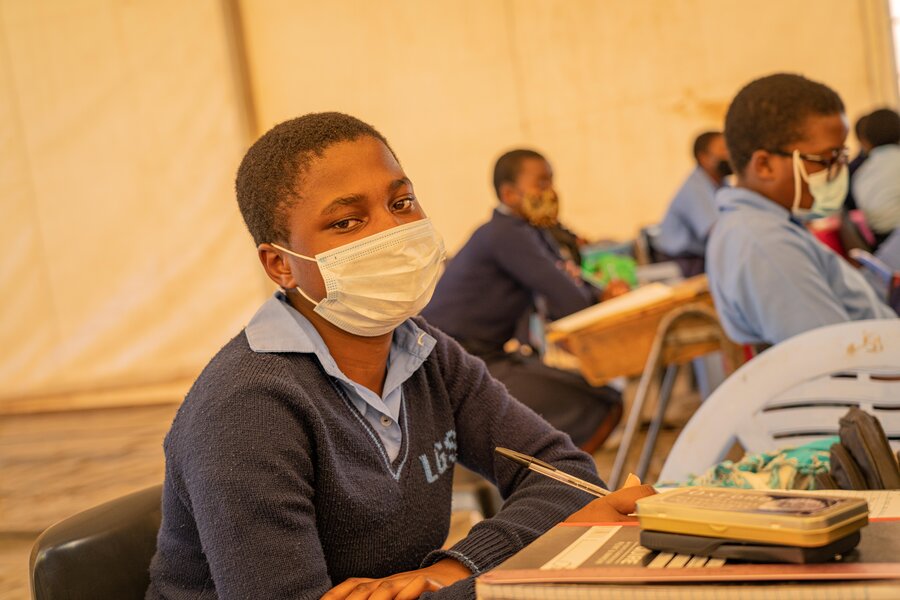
[770, 278]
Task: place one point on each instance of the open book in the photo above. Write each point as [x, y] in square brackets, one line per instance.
[607, 561]
[643, 297]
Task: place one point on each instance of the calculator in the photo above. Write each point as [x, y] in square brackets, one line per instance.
[773, 517]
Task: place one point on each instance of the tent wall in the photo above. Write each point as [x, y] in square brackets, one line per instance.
[612, 92]
[124, 261]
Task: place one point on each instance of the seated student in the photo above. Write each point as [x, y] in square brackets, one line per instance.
[858, 160]
[495, 279]
[692, 212]
[876, 185]
[769, 277]
[315, 451]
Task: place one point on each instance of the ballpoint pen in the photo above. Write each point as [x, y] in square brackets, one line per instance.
[548, 470]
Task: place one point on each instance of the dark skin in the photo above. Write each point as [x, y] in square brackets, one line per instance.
[355, 190]
[709, 159]
[772, 175]
[535, 177]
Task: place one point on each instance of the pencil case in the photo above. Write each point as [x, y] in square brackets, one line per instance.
[865, 442]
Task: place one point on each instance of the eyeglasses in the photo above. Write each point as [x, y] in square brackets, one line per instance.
[832, 161]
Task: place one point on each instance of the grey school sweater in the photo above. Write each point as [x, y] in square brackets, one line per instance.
[275, 486]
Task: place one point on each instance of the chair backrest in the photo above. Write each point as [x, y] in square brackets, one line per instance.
[796, 392]
[104, 552]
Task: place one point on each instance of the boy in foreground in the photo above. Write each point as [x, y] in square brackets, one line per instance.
[314, 455]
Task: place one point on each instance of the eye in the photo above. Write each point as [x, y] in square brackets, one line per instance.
[403, 204]
[345, 224]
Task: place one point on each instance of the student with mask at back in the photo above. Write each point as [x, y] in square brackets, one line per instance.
[770, 278]
[876, 185]
[509, 265]
[692, 212]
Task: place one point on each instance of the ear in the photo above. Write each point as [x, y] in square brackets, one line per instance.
[509, 195]
[276, 266]
[761, 166]
[704, 159]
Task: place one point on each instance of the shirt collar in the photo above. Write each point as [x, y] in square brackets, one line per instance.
[883, 149]
[737, 198]
[703, 176]
[503, 209]
[279, 327]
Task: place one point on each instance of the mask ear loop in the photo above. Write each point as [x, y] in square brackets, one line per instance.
[301, 292]
[796, 165]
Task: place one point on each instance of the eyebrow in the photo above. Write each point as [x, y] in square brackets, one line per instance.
[352, 199]
[399, 183]
[339, 203]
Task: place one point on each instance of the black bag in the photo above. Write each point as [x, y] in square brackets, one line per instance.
[863, 459]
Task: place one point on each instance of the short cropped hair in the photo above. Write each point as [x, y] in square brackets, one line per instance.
[882, 127]
[701, 144]
[769, 114]
[271, 171]
[508, 166]
[858, 128]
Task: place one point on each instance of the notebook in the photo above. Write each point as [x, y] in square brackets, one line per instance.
[597, 561]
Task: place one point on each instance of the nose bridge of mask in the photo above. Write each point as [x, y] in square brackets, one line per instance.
[372, 245]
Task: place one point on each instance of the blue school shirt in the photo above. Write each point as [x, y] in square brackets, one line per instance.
[771, 279]
[876, 188]
[690, 215]
[278, 327]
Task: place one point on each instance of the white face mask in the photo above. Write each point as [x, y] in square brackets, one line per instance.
[828, 196]
[374, 284]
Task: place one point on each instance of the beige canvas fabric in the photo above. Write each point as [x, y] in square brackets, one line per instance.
[123, 261]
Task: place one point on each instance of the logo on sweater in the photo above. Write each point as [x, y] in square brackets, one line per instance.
[444, 457]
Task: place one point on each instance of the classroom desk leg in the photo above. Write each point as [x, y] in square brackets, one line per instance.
[667, 338]
[634, 419]
[665, 394]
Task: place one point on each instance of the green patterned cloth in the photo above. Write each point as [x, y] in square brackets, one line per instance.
[787, 469]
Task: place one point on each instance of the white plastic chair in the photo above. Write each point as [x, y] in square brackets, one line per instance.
[795, 392]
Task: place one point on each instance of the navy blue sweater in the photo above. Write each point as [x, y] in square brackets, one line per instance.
[277, 488]
[493, 280]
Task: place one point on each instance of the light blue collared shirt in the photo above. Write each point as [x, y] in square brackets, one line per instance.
[689, 218]
[876, 188]
[771, 279]
[278, 327]
[889, 251]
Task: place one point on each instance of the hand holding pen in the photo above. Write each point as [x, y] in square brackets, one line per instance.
[539, 466]
[609, 507]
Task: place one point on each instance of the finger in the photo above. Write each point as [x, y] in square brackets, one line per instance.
[388, 589]
[363, 591]
[631, 481]
[343, 590]
[418, 586]
[596, 511]
[623, 500]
